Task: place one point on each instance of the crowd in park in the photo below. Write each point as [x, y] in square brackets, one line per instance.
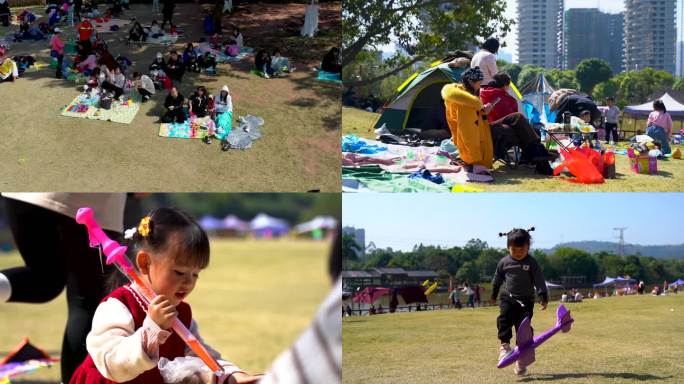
[111, 78]
[484, 120]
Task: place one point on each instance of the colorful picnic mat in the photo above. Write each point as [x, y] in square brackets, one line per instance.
[329, 76]
[245, 53]
[86, 107]
[193, 128]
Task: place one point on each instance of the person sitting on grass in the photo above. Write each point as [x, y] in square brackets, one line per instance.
[98, 42]
[27, 29]
[280, 64]
[155, 30]
[157, 72]
[175, 67]
[174, 107]
[262, 63]
[224, 102]
[158, 66]
[236, 38]
[660, 126]
[123, 62]
[190, 58]
[83, 49]
[215, 41]
[8, 67]
[223, 107]
[577, 122]
[144, 85]
[199, 103]
[105, 58]
[115, 81]
[88, 65]
[519, 277]
[467, 120]
[331, 61]
[94, 81]
[137, 33]
[207, 62]
[204, 46]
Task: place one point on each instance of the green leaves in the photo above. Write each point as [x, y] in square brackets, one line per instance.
[591, 72]
[425, 29]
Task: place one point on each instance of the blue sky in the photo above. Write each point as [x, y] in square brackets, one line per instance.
[401, 220]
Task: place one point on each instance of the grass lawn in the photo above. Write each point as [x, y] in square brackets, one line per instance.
[613, 340]
[299, 151]
[250, 303]
[506, 179]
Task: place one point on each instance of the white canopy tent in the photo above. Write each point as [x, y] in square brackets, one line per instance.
[319, 222]
[674, 107]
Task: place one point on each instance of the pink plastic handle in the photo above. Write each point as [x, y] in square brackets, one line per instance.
[116, 253]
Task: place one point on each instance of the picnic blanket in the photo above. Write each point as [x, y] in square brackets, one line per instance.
[192, 128]
[86, 106]
[329, 76]
[245, 53]
[390, 167]
[102, 26]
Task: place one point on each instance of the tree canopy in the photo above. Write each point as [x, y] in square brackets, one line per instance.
[476, 262]
[590, 72]
[423, 29]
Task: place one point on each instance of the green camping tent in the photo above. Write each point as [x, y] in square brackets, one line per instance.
[416, 97]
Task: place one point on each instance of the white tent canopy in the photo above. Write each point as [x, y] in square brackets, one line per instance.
[674, 107]
[264, 221]
[319, 222]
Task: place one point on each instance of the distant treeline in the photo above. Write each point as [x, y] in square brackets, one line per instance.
[476, 262]
[293, 207]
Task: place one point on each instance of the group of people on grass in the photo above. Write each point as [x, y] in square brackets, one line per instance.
[484, 122]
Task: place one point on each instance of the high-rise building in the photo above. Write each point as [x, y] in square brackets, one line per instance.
[680, 59]
[359, 235]
[650, 34]
[540, 33]
[590, 33]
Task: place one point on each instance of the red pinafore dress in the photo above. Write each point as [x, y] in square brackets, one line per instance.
[174, 346]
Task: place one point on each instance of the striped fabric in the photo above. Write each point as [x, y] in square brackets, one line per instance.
[316, 356]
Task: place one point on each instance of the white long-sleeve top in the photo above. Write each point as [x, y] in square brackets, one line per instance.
[118, 80]
[223, 105]
[487, 63]
[147, 84]
[121, 352]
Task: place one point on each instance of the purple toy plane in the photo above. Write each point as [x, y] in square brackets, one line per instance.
[525, 344]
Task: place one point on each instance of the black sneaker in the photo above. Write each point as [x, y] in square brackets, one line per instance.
[225, 146]
[207, 140]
